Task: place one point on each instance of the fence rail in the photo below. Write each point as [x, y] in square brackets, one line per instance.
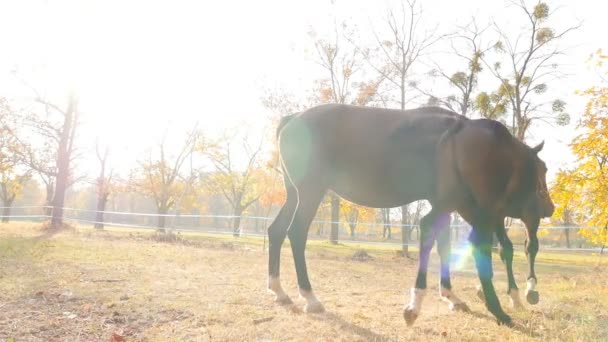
[372, 233]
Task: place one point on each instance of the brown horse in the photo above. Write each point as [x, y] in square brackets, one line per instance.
[387, 158]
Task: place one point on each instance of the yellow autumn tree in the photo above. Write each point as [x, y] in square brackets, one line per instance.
[579, 191]
[13, 173]
[236, 179]
[161, 177]
[354, 214]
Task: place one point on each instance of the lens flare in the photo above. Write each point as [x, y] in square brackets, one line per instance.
[461, 255]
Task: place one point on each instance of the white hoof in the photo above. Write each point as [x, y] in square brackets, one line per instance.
[314, 307]
[455, 304]
[283, 299]
[274, 287]
[412, 310]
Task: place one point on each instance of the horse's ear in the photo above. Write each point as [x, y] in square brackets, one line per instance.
[538, 147]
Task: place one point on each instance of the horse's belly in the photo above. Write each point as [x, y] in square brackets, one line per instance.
[383, 192]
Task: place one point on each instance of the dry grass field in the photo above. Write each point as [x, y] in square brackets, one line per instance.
[83, 285]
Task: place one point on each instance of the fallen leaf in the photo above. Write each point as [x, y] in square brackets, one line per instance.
[117, 338]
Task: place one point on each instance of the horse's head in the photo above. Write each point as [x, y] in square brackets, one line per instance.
[537, 202]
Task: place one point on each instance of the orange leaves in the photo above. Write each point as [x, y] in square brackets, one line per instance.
[117, 337]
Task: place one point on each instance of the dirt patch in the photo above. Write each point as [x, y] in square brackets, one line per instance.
[361, 255]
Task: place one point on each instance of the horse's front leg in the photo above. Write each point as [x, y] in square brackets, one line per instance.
[445, 286]
[531, 249]
[506, 255]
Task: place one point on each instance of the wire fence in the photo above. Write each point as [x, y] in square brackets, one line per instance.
[556, 238]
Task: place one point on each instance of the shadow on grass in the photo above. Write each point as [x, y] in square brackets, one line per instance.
[516, 325]
[335, 319]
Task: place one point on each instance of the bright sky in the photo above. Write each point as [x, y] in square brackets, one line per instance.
[144, 67]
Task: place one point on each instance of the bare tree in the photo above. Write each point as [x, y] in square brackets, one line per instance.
[469, 47]
[58, 127]
[529, 66]
[159, 175]
[104, 185]
[237, 185]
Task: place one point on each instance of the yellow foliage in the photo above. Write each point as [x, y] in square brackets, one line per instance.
[543, 232]
[13, 174]
[580, 191]
[597, 236]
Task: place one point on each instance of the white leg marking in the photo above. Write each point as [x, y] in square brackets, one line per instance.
[531, 285]
[274, 286]
[416, 298]
[531, 293]
[313, 305]
[411, 311]
[515, 300]
[449, 297]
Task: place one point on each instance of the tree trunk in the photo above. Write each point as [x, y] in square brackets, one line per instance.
[101, 207]
[59, 199]
[386, 218]
[335, 218]
[64, 153]
[568, 223]
[162, 211]
[405, 230]
[567, 234]
[236, 222]
[48, 211]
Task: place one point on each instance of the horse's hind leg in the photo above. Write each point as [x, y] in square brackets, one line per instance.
[430, 225]
[446, 294]
[309, 200]
[276, 235]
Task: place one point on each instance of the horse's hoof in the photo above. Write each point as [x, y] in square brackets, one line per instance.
[505, 320]
[410, 316]
[532, 297]
[462, 307]
[283, 300]
[314, 307]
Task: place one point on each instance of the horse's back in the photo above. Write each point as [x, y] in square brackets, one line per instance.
[373, 156]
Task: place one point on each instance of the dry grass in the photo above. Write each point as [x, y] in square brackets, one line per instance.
[88, 286]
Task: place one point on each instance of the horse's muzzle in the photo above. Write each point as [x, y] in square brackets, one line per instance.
[548, 210]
